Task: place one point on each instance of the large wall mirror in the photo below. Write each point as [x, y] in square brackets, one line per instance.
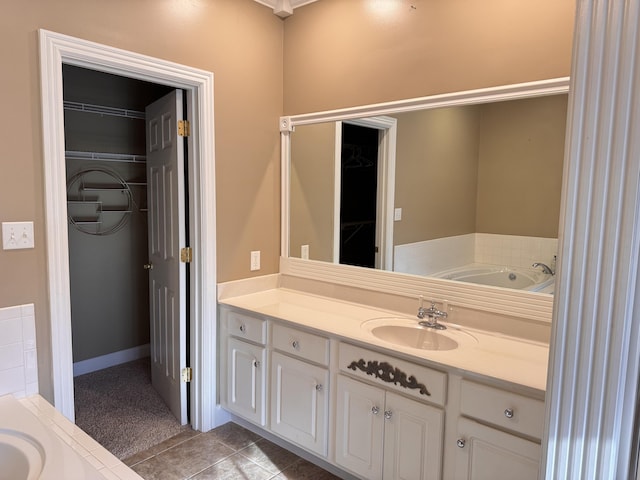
[461, 187]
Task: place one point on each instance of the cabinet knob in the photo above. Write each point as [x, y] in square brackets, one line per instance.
[508, 413]
[256, 363]
[375, 410]
[319, 387]
[295, 344]
[388, 414]
[243, 328]
[461, 443]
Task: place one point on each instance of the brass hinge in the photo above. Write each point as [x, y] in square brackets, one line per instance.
[186, 255]
[187, 374]
[184, 128]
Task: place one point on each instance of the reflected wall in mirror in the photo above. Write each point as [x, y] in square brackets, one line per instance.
[465, 192]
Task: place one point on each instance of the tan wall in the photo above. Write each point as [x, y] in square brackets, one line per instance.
[239, 40]
[312, 191]
[521, 155]
[341, 53]
[436, 173]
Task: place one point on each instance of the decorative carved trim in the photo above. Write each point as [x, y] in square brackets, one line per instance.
[388, 373]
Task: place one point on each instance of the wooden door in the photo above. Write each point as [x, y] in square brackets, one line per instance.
[167, 277]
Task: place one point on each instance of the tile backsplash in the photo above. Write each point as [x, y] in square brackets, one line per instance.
[18, 355]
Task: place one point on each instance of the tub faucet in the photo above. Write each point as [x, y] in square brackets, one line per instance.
[432, 315]
[545, 269]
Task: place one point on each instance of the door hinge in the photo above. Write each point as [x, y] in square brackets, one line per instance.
[184, 128]
[186, 254]
[187, 374]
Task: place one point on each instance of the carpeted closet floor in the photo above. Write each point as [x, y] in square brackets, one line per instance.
[119, 408]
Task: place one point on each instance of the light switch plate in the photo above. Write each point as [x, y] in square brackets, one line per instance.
[17, 235]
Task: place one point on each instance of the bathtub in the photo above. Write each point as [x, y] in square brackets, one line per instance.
[501, 276]
[29, 449]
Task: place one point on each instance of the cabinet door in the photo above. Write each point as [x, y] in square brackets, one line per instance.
[486, 453]
[299, 402]
[359, 427]
[245, 380]
[412, 439]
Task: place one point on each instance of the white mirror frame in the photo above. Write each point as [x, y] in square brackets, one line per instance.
[529, 305]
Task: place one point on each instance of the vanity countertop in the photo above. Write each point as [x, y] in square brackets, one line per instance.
[496, 356]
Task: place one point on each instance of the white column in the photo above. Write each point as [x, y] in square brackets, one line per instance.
[594, 365]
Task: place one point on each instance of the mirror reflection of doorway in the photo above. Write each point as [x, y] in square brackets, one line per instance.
[358, 195]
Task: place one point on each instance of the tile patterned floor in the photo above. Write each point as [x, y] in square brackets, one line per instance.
[229, 452]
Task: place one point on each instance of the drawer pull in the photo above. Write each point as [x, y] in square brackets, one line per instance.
[243, 328]
[319, 387]
[388, 414]
[461, 443]
[256, 363]
[375, 410]
[508, 413]
[296, 345]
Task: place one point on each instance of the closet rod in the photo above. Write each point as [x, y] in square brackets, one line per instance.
[103, 110]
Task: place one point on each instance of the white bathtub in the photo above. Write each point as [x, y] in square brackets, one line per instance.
[501, 276]
[31, 450]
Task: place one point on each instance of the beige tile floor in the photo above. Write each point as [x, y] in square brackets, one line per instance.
[228, 452]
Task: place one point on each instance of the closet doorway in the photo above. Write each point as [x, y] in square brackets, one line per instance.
[55, 50]
[365, 153]
[126, 199]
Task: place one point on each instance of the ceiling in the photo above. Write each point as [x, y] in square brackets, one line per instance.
[284, 8]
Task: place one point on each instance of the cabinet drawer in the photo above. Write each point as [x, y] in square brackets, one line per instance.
[300, 344]
[504, 409]
[247, 327]
[408, 378]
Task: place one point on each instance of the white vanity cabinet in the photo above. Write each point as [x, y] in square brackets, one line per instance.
[498, 434]
[299, 390]
[381, 434]
[243, 374]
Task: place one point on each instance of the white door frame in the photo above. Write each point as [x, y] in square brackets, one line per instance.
[386, 187]
[56, 49]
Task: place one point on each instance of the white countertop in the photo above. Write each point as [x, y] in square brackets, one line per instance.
[496, 356]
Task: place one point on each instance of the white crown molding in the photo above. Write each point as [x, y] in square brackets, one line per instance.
[284, 8]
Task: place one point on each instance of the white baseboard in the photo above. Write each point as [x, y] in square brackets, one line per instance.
[109, 360]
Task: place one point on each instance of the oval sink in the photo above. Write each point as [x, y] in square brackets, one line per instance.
[414, 337]
[407, 332]
[21, 456]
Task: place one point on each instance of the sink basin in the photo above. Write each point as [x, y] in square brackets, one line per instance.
[21, 456]
[407, 332]
[414, 337]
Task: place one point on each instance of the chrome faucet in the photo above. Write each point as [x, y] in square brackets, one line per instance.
[545, 268]
[432, 315]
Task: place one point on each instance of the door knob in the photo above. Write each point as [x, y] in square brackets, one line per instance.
[148, 266]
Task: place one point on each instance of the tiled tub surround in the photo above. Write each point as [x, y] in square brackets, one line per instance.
[98, 462]
[18, 355]
[433, 256]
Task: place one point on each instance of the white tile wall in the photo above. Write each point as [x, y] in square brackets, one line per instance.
[432, 256]
[18, 355]
[108, 465]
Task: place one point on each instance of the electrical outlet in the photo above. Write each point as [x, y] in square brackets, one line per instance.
[17, 235]
[255, 260]
[304, 252]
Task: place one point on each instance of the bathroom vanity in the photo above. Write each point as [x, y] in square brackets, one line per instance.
[326, 375]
